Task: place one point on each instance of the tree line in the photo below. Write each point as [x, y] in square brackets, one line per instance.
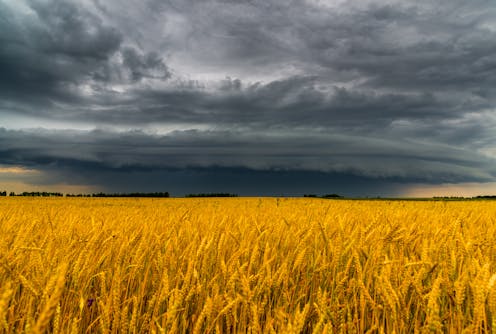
[100, 194]
[33, 194]
[165, 194]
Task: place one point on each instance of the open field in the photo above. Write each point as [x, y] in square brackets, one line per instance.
[246, 265]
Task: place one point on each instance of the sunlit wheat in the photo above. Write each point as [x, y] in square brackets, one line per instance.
[246, 265]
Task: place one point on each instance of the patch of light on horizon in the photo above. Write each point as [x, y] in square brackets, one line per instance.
[466, 189]
[16, 170]
[19, 186]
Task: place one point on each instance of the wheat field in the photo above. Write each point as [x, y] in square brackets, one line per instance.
[246, 265]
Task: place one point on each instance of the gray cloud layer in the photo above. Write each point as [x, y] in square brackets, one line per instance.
[380, 89]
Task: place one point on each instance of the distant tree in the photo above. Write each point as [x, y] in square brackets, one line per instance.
[332, 196]
[41, 194]
[3, 193]
[212, 195]
[12, 193]
[101, 194]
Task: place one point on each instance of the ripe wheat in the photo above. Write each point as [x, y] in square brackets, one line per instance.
[246, 265]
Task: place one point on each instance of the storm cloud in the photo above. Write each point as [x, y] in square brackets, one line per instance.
[380, 93]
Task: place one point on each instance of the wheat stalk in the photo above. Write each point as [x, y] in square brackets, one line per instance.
[51, 306]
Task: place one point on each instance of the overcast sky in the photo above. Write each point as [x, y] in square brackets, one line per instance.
[255, 97]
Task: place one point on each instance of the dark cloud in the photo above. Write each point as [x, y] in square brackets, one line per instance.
[68, 30]
[241, 181]
[48, 50]
[319, 152]
[193, 161]
[291, 102]
[389, 90]
[56, 54]
[143, 66]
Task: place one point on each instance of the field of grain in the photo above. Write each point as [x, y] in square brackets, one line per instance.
[246, 265]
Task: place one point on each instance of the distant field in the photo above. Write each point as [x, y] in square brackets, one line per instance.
[212, 265]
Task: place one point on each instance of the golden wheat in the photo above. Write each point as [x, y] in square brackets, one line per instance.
[246, 265]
